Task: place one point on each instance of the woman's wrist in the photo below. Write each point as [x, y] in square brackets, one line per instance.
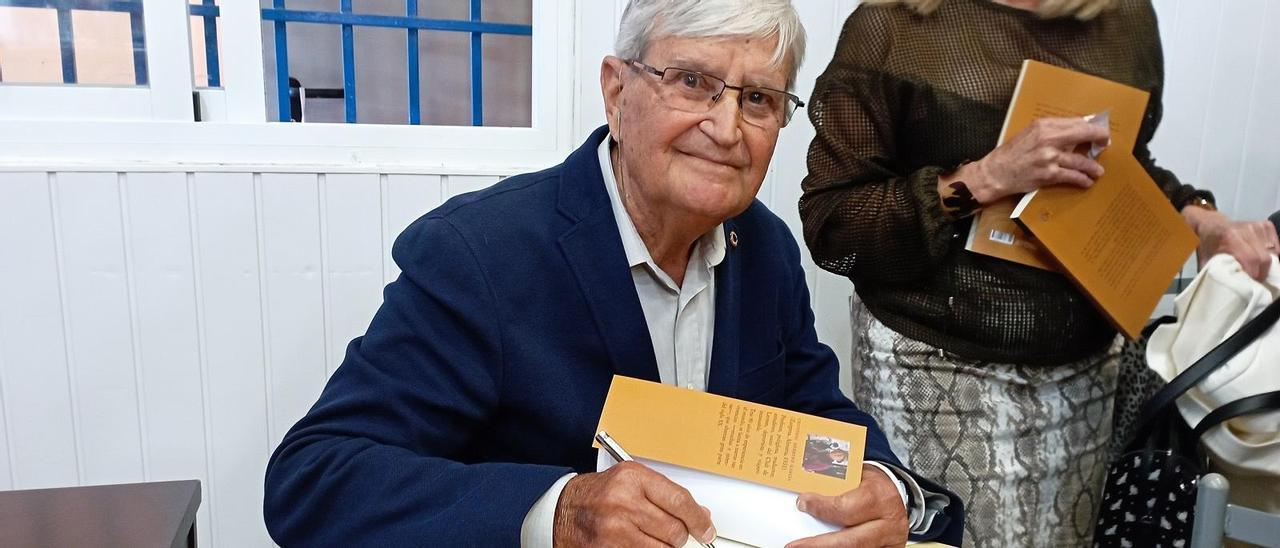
[1202, 220]
[964, 190]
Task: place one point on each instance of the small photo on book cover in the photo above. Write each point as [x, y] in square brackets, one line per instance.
[827, 456]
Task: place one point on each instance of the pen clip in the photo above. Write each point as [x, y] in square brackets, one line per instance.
[612, 448]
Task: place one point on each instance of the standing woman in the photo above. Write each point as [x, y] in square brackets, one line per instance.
[995, 379]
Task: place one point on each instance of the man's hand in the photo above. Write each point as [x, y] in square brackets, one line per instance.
[629, 505]
[872, 514]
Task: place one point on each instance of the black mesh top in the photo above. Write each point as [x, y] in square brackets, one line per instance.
[907, 97]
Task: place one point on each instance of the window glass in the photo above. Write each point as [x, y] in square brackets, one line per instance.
[381, 51]
[102, 44]
[206, 43]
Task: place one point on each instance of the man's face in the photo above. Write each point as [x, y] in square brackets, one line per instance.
[707, 165]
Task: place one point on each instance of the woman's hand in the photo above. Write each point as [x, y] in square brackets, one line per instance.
[1050, 151]
[1252, 243]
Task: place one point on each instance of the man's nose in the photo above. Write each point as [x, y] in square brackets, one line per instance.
[722, 123]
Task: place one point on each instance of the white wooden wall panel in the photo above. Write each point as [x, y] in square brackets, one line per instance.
[43, 450]
[158, 239]
[354, 247]
[6, 460]
[233, 354]
[1259, 184]
[462, 184]
[1189, 60]
[88, 219]
[289, 253]
[174, 324]
[1235, 57]
[405, 198]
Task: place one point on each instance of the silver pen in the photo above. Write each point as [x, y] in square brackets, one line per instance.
[619, 454]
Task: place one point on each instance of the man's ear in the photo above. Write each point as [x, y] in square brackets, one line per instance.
[611, 71]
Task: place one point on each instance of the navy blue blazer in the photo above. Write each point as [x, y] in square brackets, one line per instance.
[482, 376]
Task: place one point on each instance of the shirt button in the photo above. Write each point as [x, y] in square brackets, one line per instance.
[688, 385]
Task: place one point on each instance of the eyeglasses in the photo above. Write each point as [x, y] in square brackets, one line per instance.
[693, 91]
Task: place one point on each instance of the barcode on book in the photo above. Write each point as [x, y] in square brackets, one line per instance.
[1002, 237]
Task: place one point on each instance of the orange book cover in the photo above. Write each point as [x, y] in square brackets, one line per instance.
[733, 438]
[1044, 91]
[1120, 241]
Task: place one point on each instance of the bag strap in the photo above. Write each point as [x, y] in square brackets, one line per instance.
[1220, 354]
[1153, 324]
[1266, 401]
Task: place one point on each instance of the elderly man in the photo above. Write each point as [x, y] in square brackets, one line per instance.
[465, 415]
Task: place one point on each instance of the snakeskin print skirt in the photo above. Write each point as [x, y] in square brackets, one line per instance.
[1025, 447]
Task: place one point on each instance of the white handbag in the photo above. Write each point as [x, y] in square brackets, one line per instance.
[1216, 304]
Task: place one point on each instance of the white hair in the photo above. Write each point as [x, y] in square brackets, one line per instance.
[646, 20]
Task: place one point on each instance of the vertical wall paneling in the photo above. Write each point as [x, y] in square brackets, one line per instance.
[205, 515]
[353, 212]
[6, 458]
[159, 244]
[1227, 116]
[290, 234]
[405, 198]
[227, 268]
[1189, 66]
[40, 426]
[462, 184]
[1259, 184]
[98, 306]
[596, 35]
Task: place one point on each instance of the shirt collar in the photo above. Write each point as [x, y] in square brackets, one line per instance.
[711, 244]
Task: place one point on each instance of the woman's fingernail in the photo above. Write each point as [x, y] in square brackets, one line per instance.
[709, 535]
[800, 504]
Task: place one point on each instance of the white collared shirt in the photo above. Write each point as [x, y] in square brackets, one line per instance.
[681, 318]
[681, 322]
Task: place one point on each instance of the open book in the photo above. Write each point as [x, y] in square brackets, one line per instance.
[745, 461]
[1120, 241]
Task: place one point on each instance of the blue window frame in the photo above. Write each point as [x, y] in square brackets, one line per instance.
[208, 13]
[66, 33]
[280, 16]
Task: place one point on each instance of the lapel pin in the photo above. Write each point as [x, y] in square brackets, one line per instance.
[733, 238]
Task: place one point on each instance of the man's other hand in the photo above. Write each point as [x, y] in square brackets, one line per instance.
[872, 514]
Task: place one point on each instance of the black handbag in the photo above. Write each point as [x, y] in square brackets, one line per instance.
[1149, 497]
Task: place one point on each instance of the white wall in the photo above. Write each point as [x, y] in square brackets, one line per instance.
[173, 321]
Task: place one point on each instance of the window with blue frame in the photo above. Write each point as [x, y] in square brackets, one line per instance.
[206, 56]
[91, 42]
[436, 62]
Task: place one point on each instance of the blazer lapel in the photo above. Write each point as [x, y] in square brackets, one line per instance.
[724, 349]
[593, 249]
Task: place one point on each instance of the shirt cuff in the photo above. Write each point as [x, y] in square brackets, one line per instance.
[538, 529]
[922, 505]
